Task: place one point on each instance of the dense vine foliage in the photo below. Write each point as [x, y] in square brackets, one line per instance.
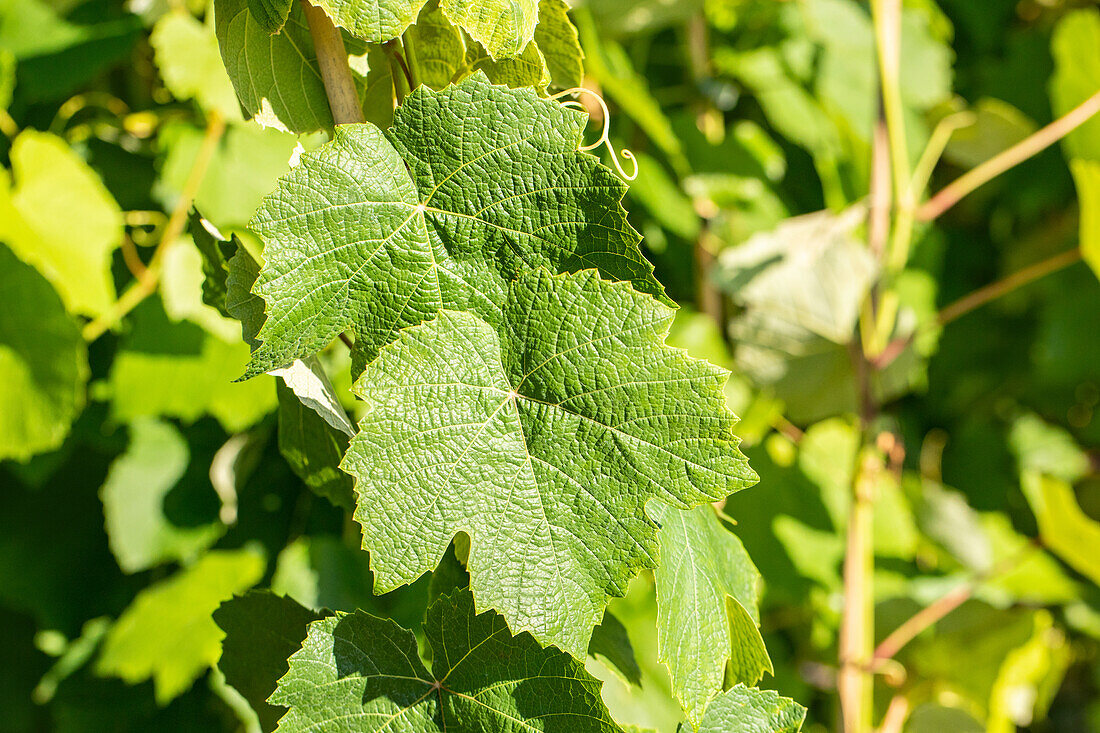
[341, 390]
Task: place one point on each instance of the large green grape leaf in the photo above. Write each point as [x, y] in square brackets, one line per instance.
[140, 533]
[43, 363]
[363, 673]
[73, 251]
[706, 607]
[167, 633]
[472, 185]
[261, 630]
[542, 439]
[748, 710]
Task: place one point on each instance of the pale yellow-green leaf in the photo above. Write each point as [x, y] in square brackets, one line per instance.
[190, 64]
[43, 363]
[1066, 530]
[59, 217]
[167, 633]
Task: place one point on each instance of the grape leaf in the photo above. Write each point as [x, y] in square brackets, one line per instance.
[261, 630]
[505, 27]
[438, 46]
[275, 74]
[167, 632]
[133, 495]
[707, 611]
[379, 230]
[43, 363]
[313, 448]
[748, 710]
[556, 37]
[610, 641]
[542, 443]
[306, 378]
[180, 370]
[527, 69]
[270, 14]
[216, 251]
[1065, 529]
[189, 63]
[73, 251]
[360, 672]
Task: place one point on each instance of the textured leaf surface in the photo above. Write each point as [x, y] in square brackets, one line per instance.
[73, 251]
[43, 363]
[167, 633]
[472, 185]
[261, 630]
[527, 69]
[706, 607]
[133, 496]
[543, 444]
[375, 21]
[503, 27]
[748, 710]
[362, 673]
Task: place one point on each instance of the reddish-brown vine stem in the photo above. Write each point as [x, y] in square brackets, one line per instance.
[1018, 153]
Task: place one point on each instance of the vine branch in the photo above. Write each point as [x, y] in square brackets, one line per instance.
[1018, 153]
[332, 60]
[983, 295]
[146, 284]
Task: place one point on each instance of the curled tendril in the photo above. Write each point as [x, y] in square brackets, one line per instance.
[604, 138]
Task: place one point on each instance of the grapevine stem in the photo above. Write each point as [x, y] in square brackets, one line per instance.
[854, 683]
[144, 286]
[332, 59]
[980, 297]
[945, 604]
[1018, 153]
